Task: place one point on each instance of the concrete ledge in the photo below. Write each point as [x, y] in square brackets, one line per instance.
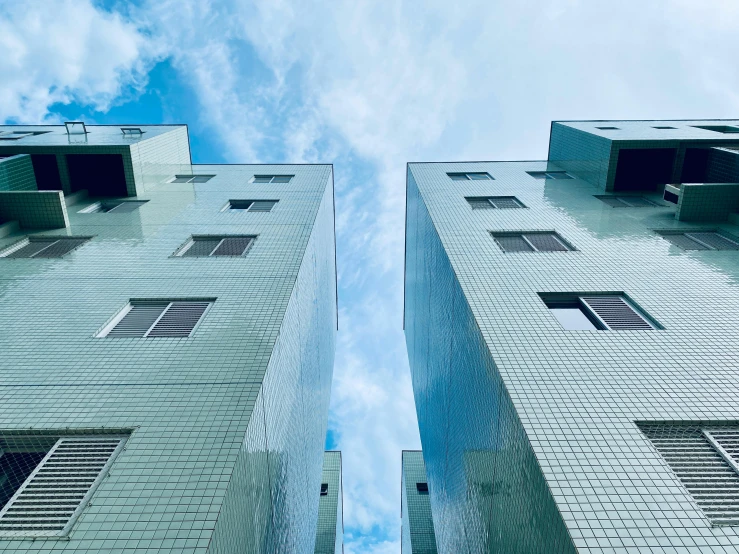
[42, 209]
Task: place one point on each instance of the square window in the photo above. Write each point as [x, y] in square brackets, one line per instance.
[422, 488]
[324, 489]
[531, 241]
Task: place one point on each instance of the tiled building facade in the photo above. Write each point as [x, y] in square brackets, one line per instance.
[417, 532]
[330, 531]
[190, 328]
[572, 333]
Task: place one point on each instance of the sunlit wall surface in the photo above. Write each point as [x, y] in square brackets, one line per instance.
[532, 433]
[225, 427]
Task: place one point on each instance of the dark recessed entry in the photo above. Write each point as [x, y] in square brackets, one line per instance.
[47, 171]
[643, 168]
[695, 166]
[100, 174]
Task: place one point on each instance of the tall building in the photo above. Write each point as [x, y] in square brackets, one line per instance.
[572, 333]
[417, 531]
[330, 531]
[167, 345]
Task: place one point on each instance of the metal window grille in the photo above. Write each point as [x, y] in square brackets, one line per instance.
[627, 201]
[131, 132]
[704, 459]
[205, 246]
[615, 313]
[474, 176]
[494, 202]
[531, 242]
[273, 178]
[157, 319]
[44, 247]
[701, 240]
[51, 481]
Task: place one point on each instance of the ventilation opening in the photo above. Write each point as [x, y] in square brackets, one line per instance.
[99, 174]
[47, 480]
[422, 488]
[533, 241]
[46, 171]
[597, 312]
[208, 245]
[643, 168]
[324, 489]
[156, 319]
[701, 240]
[43, 247]
[705, 460]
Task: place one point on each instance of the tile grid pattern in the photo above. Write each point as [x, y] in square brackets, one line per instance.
[330, 531]
[417, 535]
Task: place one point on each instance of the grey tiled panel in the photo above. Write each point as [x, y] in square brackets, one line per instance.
[330, 531]
[417, 535]
[529, 431]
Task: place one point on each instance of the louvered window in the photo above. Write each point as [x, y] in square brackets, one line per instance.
[192, 178]
[43, 247]
[534, 241]
[157, 319]
[706, 461]
[613, 312]
[478, 176]
[208, 245]
[48, 481]
[701, 240]
[114, 206]
[628, 201]
[550, 175]
[273, 178]
[250, 205]
[493, 202]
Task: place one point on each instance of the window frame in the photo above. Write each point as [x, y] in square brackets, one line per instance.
[105, 330]
[491, 202]
[190, 179]
[8, 250]
[190, 242]
[466, 174]
[544, 175]
[569, 247]
[256, 179]
[229, 205]
[575, 300]
[708, 248]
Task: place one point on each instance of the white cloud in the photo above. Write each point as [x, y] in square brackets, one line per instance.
[63, 51]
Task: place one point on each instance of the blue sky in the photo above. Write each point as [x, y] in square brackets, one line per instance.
[367, 86]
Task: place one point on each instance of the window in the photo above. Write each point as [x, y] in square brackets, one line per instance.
[701, 240]
[663, 127]
[46, 481]
[470, 176]
[324, 489]
[131, 132]
[705, 459]
[250, 205]
[550, 175]
[191, 178]
[607, 128]
[156, 319]
[114, 206]
[627, 201]
[75, 127]
[422, 488]
[272, 178]
[43, 247]
[493, 202]
[533, 241]
[726, 129]
[209, 245]
[612, 312]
